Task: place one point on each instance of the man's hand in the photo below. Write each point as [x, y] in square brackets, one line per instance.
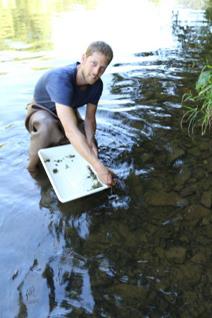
[105, 175]
[108, 178]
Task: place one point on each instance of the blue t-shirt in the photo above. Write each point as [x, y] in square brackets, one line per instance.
[59, 86]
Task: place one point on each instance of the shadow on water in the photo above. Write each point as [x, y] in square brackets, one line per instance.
[142, 249]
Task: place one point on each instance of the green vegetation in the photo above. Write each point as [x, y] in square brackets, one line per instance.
[198, 105]
[27, 24]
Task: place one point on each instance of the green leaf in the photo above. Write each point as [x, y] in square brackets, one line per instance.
[205, 79]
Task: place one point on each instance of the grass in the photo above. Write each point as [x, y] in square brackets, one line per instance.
[198, 106]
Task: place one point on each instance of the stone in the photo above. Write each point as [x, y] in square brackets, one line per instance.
[176, 153]
[161, 198]
[206, 199]
[183, 176]
[199, 258]
[187, 274]
[208, 231]
[188, 190]
[176, 254]
[194, 213]
[146, 157]
[209, 165]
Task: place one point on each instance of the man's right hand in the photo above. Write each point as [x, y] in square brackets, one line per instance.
[104, 174]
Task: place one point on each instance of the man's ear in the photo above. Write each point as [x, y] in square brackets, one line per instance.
[83, 58]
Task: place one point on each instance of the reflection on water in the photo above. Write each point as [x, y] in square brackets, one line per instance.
[27, 25]
[22, 27]
[142, 249]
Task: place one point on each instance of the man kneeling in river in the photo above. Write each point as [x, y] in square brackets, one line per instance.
[53, 119]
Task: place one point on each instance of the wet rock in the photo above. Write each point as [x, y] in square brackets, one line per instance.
[161, 198]
[208, 231]
[200, 174]
[146, 157]
[193, 305]
[144, 257]
[184, 239]
[135, 185]
[206, 199]
[101, 279]
[207, 220]
[194, 152]
[203, 145]
[178, 164]
[195, 213]
[188, 190]
[209, 275]
[209, 165]
[199, 258]
[176, 254]
[169, 295]
[175, 154]
[183, 176]
[157, 185]
[130, 293]
[160, 252]
[187, 274]
[190, 297]
[205, 184]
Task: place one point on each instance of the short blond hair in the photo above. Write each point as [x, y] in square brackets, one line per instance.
[101, 47]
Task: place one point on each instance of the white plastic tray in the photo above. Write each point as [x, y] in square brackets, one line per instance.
[70, 175]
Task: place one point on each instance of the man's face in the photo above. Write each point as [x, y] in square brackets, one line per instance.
[93, 67]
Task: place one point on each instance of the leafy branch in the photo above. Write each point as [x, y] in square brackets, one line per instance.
[198, 106]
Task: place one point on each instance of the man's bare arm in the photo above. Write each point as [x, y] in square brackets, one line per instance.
[90, 127]
[79, 141]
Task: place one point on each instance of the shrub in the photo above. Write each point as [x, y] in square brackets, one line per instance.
[198, 106]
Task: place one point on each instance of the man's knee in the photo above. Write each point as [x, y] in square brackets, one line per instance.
[42, 121]
[45, 130]
[48, 126]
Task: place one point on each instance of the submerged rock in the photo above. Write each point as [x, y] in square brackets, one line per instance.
[175, 154]
[176, 254]
[209, 165]
[182, 177]
[187, 274]
[164, 199]
[199, 258]
[195, 213]
[188, 190]
[206, 199]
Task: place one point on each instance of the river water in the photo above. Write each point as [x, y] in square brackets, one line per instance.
[142, 249]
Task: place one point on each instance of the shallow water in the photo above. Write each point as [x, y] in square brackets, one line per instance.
[142, 249]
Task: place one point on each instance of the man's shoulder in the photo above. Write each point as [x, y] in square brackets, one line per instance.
[69, 69]
[60, 76]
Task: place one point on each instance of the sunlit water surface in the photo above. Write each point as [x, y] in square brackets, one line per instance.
[142, 249]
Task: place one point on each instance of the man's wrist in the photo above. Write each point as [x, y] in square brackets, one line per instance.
[97, 165]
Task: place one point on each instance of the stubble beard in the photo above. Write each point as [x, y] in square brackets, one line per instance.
[86, 79]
